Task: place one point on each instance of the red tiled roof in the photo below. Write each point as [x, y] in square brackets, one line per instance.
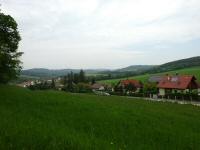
[176, 82]
[136, 83]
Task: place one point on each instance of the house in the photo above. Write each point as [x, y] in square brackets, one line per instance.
[59, 86]
[177, 84]
[130, 85]
[98, 87]
[198, 88]
[26, 84]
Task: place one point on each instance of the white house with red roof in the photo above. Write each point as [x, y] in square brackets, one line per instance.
[177, 84]
[199, 88]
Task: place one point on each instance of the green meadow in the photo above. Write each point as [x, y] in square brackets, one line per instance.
[58, 120]
[187, 71]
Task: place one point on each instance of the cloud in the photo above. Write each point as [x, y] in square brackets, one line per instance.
[115, 32]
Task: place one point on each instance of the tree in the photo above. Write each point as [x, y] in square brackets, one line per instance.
[76, 78]
[65, 80]
[82, 76]
[130, 87]
[53, 86]
[150, 88]
[9, 56]
[69, 82]
[93, 81]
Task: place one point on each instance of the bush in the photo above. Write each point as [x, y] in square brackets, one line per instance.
[83, 88]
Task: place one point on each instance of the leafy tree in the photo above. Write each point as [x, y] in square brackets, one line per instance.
[53, 86]
[82, 76]
[9, 56]
[76, 78]
[65, 80]
[83, 88]
[130, 87]
[69, 86]
[150, 88]
[118, 87]
[93, 81]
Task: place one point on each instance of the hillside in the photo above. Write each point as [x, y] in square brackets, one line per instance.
[42, 72]
[117, 73]
[187, 71]
[147, 69]
[133, 68]
[58, 120]
[136, 68]
[174, 65]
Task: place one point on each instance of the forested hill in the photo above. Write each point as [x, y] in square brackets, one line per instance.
[174, 65]
[148, 69]
[135, 68]
[118, 73]
[42, 72]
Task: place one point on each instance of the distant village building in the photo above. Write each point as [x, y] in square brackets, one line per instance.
[135, 84]
[98, 87]
[177, 84]
[59, 86]
[26, 84]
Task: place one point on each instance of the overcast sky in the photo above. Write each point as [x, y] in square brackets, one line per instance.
[105, 33]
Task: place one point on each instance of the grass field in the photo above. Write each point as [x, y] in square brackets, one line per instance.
[58, 120]
[188, 71]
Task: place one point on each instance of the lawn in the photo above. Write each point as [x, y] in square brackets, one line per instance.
[57, 120]
[187, 71]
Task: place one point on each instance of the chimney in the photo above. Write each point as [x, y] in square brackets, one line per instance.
[168, 77]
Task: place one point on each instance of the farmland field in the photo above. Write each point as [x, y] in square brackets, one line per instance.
[187, 71]
[58, 120]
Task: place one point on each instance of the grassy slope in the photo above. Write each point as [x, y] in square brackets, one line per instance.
[57, 120]
[189, 71]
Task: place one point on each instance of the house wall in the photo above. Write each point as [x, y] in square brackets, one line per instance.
[179, 91]
[137, 90]
[162, 92]
[185, 91]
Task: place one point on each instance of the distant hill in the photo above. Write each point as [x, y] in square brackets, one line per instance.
[134, 68]
[144, 77]
[118, 73]
[178, 64]
[42, 72]
[144, 69]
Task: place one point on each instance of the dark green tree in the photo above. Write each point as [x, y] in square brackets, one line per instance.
[76, 78]
[9, 56]
[82, 76]
[93, 81]
[130, 87]
[69, 82]
[53, 86]
[65, 80]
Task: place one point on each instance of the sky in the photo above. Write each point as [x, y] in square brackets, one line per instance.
[59, 34]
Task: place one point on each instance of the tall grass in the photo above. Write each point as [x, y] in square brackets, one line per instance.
[58, 120]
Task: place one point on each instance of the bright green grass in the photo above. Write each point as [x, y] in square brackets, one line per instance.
[95, 74]
[188, 71]
[57, 120]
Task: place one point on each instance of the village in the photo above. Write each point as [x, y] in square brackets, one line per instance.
[176, 87]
